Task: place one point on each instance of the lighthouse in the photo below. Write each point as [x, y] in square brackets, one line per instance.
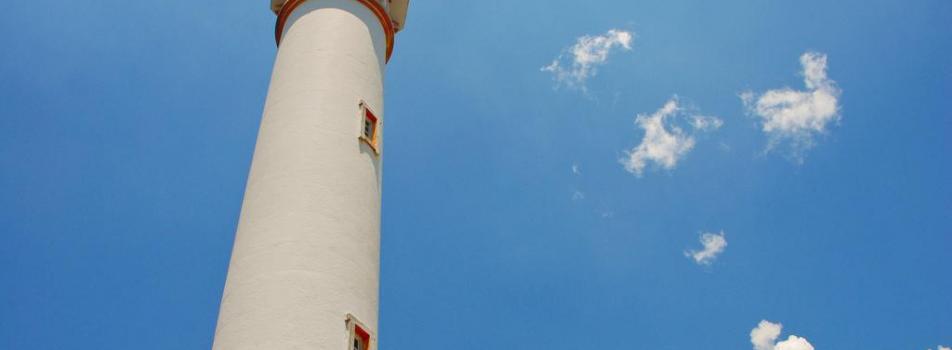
[305, 267]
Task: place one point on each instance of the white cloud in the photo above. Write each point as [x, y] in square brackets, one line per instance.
[794, 343]
[764, 337]
[576, 170]
[702, 123]
[585, 56]
[943, 348]
[714, 244]
[797, 117]
[660, 145]
[664, 143]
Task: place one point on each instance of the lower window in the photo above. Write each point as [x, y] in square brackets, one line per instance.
[359, 335]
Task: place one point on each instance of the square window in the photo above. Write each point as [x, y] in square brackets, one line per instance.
[369, 127]
[360, 337]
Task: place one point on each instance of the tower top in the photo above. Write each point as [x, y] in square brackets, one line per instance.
[391, 13]
[395, 9]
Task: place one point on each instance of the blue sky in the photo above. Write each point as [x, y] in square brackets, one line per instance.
[127, 128]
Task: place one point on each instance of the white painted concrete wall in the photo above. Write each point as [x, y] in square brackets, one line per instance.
[308, 243]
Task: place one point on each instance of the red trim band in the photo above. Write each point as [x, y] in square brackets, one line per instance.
[374, 7]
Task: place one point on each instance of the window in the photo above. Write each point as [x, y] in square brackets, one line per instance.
[361, 340]
[369, 127]
[359, 335]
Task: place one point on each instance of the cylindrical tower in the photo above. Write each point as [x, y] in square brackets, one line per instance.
[304, 272]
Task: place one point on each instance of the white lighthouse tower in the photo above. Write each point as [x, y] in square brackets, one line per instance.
[304, 272]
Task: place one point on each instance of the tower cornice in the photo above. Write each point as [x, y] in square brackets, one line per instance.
[290, 5]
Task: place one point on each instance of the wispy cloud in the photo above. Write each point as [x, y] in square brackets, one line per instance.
[703, 123]
[943, 348]
[795, 117]
[713, 243]
[664, 143]
[578, 195]
[576, 170]
[764, 337]
[579, 62]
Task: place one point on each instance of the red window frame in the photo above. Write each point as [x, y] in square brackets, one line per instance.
[368, 115]
[359, 332]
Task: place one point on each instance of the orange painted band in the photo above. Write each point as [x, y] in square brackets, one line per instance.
[374, 7]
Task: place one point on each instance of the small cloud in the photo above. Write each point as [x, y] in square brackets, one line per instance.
[702, 123]
[576, 170]
[578, 195]
[714, 245]
[796, 117]
[608, 215]
[580, 61]
[764, 337]
[664, 143]
[943, 348]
